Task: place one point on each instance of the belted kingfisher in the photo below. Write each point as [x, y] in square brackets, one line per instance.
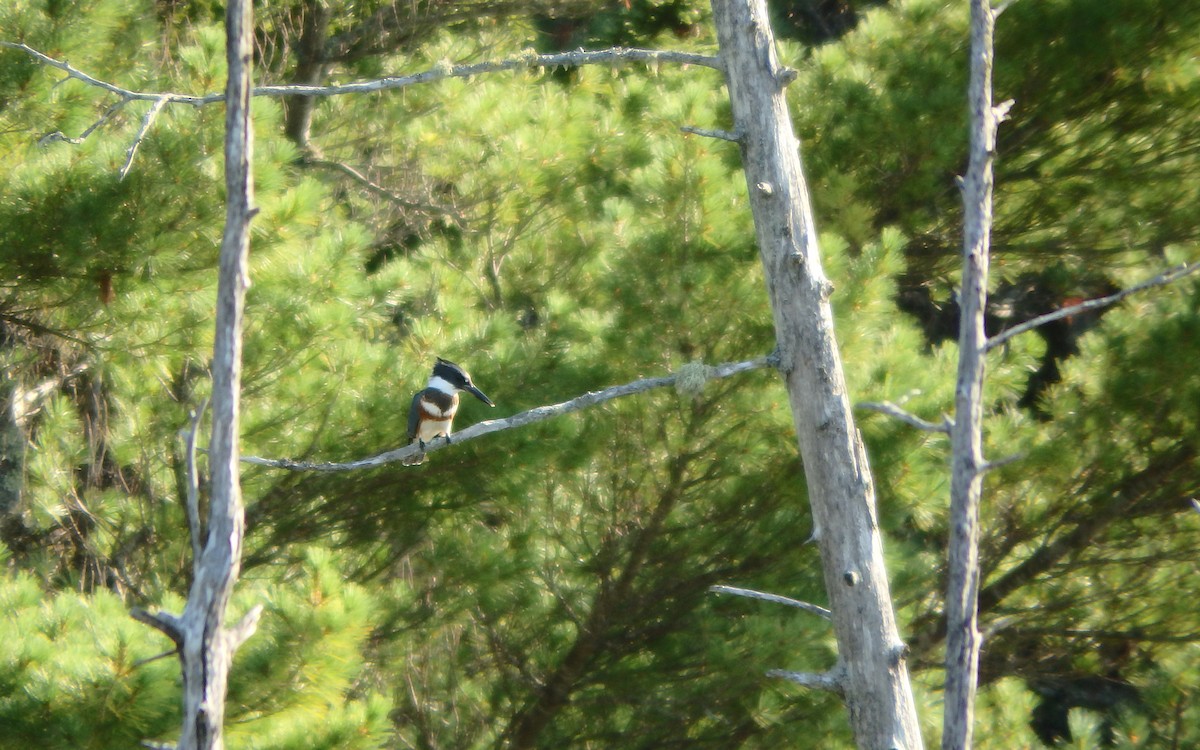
[432, 410]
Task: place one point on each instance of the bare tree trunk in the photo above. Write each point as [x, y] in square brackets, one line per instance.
[205, 645]
[872, 673]
[967, 461]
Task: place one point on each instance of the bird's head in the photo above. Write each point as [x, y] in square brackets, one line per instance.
[457, 378]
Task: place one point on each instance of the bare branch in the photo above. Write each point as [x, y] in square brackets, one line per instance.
[152, 659]
[441, 71]
[58, 135]
[1167, 277]
[164, 622]
[79, 75]
[147, 121]
[193, 480]
[830, 681]
[999, 462]
[531, 416]
[245, 627]
[723, 135]
[890, 409]
[775, 598]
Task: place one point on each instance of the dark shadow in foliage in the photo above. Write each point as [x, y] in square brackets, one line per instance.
[816, 22]
[1013, 303]
[1058, 696]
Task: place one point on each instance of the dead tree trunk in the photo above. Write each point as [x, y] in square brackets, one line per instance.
[966, 436]
[872, 673]
[204, 644]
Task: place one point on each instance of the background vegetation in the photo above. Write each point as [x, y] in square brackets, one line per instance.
[556, 232]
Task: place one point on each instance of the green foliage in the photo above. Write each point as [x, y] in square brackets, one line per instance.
[76, 671]
[548, 586]
[69, 672]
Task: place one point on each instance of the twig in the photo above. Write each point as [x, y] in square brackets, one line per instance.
[156, 657]
[830, 681]
[1000, 462]
[147, 121]
[58, 135]
[775, 598]
[487, 427]
[890, 409]
[1162, 279]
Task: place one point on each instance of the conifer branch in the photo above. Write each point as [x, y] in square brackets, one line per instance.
[890, 409]
[1167, 277]
[775, 598]
[440, 71]
[830, 681]
[531, 416]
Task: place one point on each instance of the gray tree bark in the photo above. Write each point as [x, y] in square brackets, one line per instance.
[872, 673]
[208, 646]
[966, 436]
[205, 645]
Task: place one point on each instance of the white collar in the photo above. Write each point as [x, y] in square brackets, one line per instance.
[438, 383]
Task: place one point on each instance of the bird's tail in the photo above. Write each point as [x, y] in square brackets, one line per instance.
[414, 460]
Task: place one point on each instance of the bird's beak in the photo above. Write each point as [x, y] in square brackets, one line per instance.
[479, 395]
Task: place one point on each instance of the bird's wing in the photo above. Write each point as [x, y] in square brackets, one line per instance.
[414, 416]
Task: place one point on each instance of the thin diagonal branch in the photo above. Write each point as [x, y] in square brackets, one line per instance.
[531, 416]
[890, 409]
[774, 598]
[147, 121]
[1167, 277]
[58, 135]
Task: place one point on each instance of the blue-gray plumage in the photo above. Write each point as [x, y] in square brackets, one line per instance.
[431, 414]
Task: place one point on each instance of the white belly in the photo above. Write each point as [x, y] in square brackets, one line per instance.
[430, 429]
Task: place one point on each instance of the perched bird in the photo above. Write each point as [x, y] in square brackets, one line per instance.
[432, 411]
